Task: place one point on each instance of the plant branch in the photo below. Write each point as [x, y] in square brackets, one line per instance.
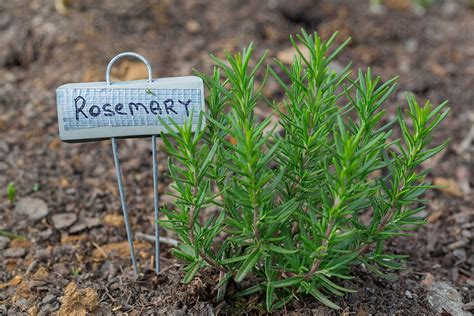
[192, 238]
[317, 263]
[255, 222]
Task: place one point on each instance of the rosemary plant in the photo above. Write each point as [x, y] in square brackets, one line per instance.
[283, 210]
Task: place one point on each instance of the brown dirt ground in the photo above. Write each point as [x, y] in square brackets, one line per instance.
[44, 45]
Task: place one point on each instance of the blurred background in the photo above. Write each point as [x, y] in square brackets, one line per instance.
[59, 208]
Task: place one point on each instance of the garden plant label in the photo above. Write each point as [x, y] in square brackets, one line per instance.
[101, 110]
[97, 110]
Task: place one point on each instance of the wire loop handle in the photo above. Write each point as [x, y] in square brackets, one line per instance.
[127, 54]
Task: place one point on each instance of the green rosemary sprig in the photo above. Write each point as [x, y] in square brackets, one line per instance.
[284, 209]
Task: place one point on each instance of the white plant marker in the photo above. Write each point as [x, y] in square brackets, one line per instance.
[102, 110]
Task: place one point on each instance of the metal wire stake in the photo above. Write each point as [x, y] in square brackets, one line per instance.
[155, 203]
[118, 171]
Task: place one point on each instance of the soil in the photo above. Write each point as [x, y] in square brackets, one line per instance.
[63, 245]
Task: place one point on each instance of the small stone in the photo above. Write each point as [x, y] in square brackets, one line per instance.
[46, 309]
[193, 26]
[408, 294]
[457, 244]
[79, 226]
[411, 45]
[22, 304]
[48, 299]
[15, 252]
[43, 254]
[428, 280]
[63, 220]
[92, 222]
[443, 297]
[469, 306]
[466, 233]
[61, 269]
[33, 208]
[460, 254]
[83, 223]
[4, 242]
[45, 234]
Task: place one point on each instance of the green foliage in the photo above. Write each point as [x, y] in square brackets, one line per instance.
[36, 187]
[423, 3]
[11, 235]
[281, 205]
[11, 192]
[75, 272]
